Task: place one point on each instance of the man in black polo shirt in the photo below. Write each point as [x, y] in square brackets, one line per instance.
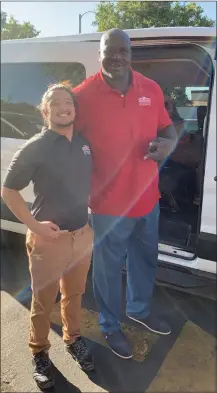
[59, 240]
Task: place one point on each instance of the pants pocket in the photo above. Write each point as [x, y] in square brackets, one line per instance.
[35, 243]
[87, 228]
[88, 235]
[30, 241]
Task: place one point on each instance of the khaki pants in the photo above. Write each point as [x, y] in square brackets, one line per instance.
[64, 264]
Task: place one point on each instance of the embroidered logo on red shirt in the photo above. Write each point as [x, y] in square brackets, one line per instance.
[144, 101]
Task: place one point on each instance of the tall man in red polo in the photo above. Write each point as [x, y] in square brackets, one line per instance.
[122, 114]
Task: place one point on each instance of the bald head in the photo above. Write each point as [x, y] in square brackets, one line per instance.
[114, 34]
[115, 53]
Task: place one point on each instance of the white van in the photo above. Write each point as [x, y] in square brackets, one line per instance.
[182, 61]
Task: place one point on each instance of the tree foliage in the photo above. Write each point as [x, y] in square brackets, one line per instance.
[146, 14]
[12, 29]
[178, 94]
[59, 72]
[141, 14]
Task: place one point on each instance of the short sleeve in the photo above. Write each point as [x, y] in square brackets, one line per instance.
[84, 97]
[80, 118]
[22, 167]
[163, 116]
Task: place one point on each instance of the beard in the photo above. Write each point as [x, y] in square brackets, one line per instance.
[114, 75]
[64, 125]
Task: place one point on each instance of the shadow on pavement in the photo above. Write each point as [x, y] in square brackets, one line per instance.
[62, 384]
[114, 374]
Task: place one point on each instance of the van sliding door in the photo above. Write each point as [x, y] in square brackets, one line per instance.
[184, 72]
[207, 240]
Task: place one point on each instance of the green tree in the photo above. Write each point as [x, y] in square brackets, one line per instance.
[179, 95]
[140, 14]
[59, 72]
[3, 19]
[12, 29]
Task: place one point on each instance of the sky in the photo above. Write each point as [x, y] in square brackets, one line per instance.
[61, 18]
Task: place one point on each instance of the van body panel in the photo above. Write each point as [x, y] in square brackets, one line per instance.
[83, 49]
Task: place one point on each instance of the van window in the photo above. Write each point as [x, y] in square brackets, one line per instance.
[22, 86]
[9, 131]
[15, 125]
[185, 83]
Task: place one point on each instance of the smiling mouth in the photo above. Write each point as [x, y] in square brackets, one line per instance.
[64, 114]
[115, 65]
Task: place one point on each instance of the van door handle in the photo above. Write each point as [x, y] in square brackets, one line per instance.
[215, 178]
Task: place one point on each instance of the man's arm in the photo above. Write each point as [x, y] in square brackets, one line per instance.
[168, 132]
[166, 142]
[18, 176]
[17, 205]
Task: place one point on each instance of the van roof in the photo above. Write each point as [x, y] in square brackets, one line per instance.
[133, 33]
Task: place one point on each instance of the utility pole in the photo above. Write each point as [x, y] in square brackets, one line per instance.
[79, 23]
[80, 16]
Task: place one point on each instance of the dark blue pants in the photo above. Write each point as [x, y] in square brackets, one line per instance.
[113, 237]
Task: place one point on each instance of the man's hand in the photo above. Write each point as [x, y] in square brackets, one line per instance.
[160, 148]
[47, 230]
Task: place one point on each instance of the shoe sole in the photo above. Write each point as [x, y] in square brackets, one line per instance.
[91, 368]
[122, 357]
[49, 385]
[148, 327]
[117, 354]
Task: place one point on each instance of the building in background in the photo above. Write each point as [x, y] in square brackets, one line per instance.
[199, 98]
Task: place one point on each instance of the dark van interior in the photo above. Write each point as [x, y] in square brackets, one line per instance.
[184, 74]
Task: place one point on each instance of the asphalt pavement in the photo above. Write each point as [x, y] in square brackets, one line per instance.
[184, 361]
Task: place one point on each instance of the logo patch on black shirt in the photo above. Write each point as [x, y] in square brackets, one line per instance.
[86, 149]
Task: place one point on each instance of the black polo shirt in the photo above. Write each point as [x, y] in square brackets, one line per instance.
[60, 171]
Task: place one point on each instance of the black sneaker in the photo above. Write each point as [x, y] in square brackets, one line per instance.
[43, 371]
[154, 324]
[119, 344]
[80, 354]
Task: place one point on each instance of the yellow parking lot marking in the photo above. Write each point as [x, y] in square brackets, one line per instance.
[141, 340]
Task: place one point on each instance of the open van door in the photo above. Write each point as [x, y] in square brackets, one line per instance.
[206, 247]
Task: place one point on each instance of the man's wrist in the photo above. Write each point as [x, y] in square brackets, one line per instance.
[33, 225]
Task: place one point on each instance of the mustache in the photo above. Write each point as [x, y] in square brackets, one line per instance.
[117, 62]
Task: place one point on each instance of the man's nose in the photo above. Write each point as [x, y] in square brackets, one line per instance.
[117, 56]
[63, 107]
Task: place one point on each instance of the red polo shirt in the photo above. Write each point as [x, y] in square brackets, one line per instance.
[119, 128]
